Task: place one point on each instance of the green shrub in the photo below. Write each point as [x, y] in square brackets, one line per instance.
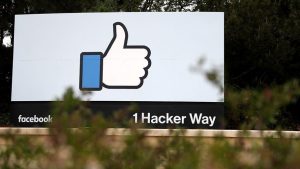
[91, 147]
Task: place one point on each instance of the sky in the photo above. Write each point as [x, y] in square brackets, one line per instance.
[7, 41]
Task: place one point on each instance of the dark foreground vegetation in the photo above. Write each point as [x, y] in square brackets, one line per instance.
[91, 148]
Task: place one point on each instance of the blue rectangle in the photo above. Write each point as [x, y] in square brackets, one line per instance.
[91, 71]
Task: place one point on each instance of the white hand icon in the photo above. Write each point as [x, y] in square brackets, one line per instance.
[124, 66]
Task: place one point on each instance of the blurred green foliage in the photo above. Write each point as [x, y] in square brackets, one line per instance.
[92, 148]
[266, 108]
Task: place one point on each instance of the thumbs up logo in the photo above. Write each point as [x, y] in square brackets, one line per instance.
[122, 66]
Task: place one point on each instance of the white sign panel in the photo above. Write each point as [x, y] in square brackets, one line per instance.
[117, 56]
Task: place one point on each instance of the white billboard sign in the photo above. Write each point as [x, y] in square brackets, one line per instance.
[117, 56]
